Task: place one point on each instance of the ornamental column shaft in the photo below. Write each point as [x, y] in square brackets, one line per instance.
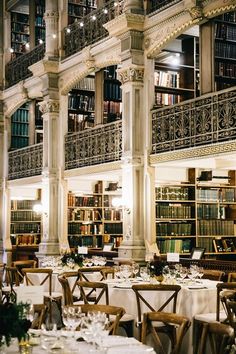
[51, 18]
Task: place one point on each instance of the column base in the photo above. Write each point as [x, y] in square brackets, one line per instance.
[47, 249]
[136, 253]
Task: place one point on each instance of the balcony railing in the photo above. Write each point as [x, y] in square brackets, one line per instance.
[26, 162]
[156, 5]
[90, 29]
[94, 146]
[203, 121]
[17, 69]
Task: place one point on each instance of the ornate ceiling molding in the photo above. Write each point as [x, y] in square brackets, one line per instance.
[194, 153]
[131, 74]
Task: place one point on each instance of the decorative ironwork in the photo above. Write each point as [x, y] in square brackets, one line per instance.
[203, 121]
[157, 5]
[17, 69]
[26, 162]
[94, 146]
[90, 29]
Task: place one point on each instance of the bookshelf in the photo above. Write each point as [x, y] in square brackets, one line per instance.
[176, 72]
[20, 33]
[20, 127]
[112, 107]
[200, 212]
[225, 50]
[77, 9]
[92, 220]
[39, 22]
[81, 105]
[25, 224]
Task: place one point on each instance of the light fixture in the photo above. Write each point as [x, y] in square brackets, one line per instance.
[27, 45]
[105, 11]
[11, 50]
[81, 24]
[54, 36]
[93, 17]
[68, 30]
[40, 41]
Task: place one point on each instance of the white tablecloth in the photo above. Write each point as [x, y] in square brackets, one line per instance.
[192, 300]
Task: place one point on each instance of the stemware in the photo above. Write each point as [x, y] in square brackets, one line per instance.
[135, 268]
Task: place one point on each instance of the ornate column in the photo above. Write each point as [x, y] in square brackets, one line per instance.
[133, 165]
[5, 203]
[51, 17]
[51, 176]
[133, 6]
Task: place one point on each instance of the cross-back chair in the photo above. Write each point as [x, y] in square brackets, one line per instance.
[72, 278]
[167, 294]
[149, 325]
[88, 287]
[13, 279]
[114, 314]
[108, 273]
[90, 273]
[39, 316]
[27, 263]
[216, 338]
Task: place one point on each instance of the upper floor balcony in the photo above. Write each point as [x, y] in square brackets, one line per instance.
[207, 121]
[77, 36]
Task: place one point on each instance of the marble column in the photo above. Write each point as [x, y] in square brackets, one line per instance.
[51, 18]
[133, 6]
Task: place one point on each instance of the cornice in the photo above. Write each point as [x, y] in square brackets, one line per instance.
[193, 153]
[112, 166]
[44, 66]
[124, 23]
[215, 8]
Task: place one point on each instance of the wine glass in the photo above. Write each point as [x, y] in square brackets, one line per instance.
[135, 268]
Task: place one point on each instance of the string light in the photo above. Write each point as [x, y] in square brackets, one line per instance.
[40, 41]
[81, 24]
[105, 11]
[93, 17]
[68, 30]
[11, 50]
[54, 36]
[27, 45]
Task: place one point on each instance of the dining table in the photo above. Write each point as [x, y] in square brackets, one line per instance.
[193, 298]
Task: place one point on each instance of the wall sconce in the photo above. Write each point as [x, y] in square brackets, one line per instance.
[117, 202]
[38, 208]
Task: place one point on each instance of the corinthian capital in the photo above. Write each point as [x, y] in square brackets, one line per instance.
[50, 106]
[131, 75]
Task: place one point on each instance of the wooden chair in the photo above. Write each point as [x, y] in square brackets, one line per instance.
[88, 287]
[68, 298]
[108, 273]
[150, 325]
[72, 278]
[113, 313]
[231, 277]
[12, 280]
[43, 278]
[168, 303]
[219, 336]
[39, 316]
[28, 263]
[212, 274]
[86, 273]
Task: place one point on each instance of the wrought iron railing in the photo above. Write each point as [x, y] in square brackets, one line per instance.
[157, 5]
[203, 121]
[90, 29]
[25, 162]
[17, 69]
[94, 146]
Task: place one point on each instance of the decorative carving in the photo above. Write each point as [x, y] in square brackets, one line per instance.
[196, 13]
[131, 75]
[50, 106]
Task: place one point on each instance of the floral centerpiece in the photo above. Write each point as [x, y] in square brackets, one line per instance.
[156, 268]
[13, 322]
[72, 260]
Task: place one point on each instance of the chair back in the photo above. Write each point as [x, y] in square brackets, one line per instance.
[39, 316]
[114, 314]
[39, 276]
[213, 274]
[67, 294]
[90, 273]
[231, 277]
[150, 325]
[88, 289]
[222, 288]
[13, 277]
[72, 278]
[27, 263]
[216, 338]
[107, 273]
[167, 293]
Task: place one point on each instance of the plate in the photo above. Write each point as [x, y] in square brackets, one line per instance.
[196, 287]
